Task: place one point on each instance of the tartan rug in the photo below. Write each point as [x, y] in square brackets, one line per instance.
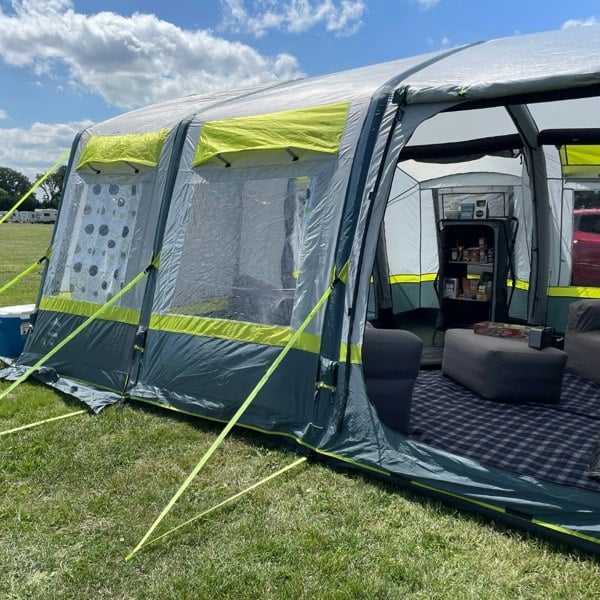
[551, 442]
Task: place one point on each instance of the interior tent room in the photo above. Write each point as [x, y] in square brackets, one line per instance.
[313, 259]
[477, 158]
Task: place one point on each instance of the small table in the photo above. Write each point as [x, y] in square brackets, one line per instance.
[503, 369]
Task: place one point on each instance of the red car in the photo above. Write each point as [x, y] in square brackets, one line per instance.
[586, 247]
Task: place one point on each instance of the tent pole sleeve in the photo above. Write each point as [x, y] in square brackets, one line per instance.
[228, 500]
[74, 333]
[35, 186]
[50, 420]
[28, 270]
[242, 409]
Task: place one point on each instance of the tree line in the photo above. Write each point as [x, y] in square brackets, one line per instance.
[14, 185]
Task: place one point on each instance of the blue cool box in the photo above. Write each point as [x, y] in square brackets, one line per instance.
[14, 326]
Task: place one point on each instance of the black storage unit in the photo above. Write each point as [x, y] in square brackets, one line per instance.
[475, 264]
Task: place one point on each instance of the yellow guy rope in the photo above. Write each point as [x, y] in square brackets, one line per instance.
[228, 500]
[28, 270]
[34, 187]
[66, 416]
[238, 414]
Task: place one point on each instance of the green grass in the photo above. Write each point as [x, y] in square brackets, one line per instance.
[77, 495]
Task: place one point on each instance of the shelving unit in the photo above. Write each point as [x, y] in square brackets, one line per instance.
[472, 287]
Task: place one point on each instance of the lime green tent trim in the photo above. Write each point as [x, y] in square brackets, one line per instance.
[317, 129]
[242, 331]
[394, 279]
[574, 292]
[580, 160]
[137, 149]
[87, 309]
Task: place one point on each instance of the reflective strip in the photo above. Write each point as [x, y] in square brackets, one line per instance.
[242, 331]
[519, 284]
[87, 309]
[138, 149]
[400, 279]
[574, 292]
[316, 129]
[239, 331]
[412, 278]
[355, 353]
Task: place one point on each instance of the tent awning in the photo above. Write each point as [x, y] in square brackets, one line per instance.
[136, 150]
[316, 129]
[580, 160]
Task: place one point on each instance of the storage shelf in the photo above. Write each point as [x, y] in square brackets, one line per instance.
[459, 312]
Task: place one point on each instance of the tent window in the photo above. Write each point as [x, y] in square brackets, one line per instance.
[244, 243]
[103, 248]
[586, 238]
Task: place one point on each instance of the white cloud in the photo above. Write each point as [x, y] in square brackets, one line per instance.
[427, 4]
[294, 16]
[129, 61]
[35, 150]
[580, 22]
[3, 114]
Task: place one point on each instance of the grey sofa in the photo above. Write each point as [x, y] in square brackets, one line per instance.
[582, 339]
[391, 360]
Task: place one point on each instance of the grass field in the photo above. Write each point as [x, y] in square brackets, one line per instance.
[77, 495]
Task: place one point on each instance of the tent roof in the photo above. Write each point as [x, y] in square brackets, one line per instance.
[522, 67]
[515, 66]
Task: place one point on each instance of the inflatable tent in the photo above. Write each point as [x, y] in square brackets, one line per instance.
[234, 225]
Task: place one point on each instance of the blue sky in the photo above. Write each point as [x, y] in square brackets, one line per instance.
[67, 63]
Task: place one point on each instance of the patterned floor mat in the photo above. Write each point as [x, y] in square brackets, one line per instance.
[551, 442]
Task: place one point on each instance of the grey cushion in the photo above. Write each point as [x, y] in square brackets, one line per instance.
[582, 339]
[503, 369]
[391, 360]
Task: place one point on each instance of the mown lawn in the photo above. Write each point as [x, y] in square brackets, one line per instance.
[77, 495]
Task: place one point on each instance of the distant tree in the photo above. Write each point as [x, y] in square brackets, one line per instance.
[52, 187]
[14, 185]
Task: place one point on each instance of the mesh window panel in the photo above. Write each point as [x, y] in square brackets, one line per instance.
[242, 248]
[101, 240]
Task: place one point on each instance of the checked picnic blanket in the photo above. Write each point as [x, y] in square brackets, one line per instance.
[551, 442]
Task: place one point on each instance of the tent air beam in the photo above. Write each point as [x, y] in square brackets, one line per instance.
[504, 145]
[552, 95]
[560, 137]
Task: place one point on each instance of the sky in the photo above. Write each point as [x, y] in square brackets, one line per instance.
[65, 64]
